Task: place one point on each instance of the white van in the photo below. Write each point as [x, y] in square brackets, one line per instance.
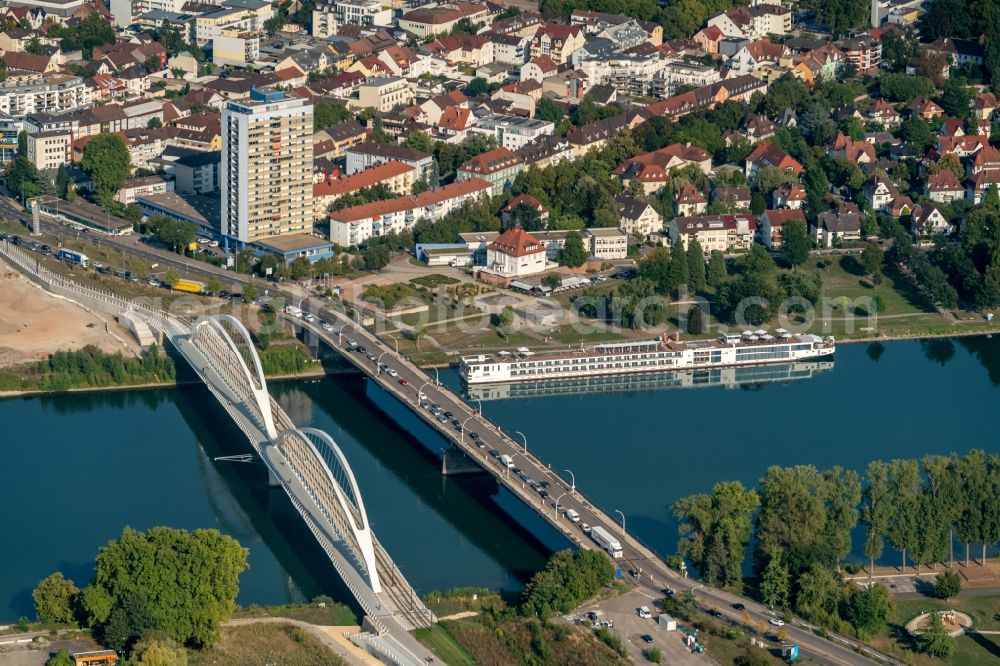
[293, 311]
[644, 612]
[573, 515]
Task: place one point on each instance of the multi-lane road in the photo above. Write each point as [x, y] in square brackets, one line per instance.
[652, 573]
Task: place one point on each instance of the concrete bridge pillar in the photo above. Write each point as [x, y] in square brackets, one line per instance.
[272, 478]
[454, 462]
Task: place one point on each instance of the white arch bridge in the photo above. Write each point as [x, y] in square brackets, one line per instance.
[315, 474]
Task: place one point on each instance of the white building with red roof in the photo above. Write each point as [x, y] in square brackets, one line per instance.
[515, 254]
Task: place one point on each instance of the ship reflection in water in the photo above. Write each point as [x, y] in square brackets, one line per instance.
[744, 377]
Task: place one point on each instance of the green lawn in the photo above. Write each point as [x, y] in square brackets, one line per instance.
[444, 646]
[433, 280]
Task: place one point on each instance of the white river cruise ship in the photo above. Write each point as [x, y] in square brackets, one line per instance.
[665, 354]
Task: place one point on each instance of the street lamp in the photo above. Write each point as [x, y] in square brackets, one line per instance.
[572, 483]
[388, 335]
[557, 505]
[420, 391]
[378, 363]
[479, 406]
[463, 428]
[524, 438]
[437, 377]
[341, 332]
[623, 519]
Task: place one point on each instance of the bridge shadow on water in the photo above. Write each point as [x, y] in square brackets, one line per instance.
[268, 510]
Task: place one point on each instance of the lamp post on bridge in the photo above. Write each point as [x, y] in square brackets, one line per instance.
[420, 392]
[557, 505]
[572, 483]
[389, 335]
[479, 406]
[463, 428]
[340, 333]
[623, 519]
[525, 440]
[378, 363]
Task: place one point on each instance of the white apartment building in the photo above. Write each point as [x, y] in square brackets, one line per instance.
[56, 92]
[267, 163]
[680, 73]
[235, 48]
[513, 132]
[329, 15]
[628, 74]
[241, 16]
[353, 226]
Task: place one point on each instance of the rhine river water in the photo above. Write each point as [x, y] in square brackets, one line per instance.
[78, 468]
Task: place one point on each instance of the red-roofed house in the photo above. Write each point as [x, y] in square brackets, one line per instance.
[690, 201]
[514, 254]
[499, 167]
[653, 169]
[455, 122]
[860, 152]
[558, 41]
[507, 211]
[789, 195]
[398, 177]
[926, 109]
[709, 38]
[539, 69]
[772, 221]
[768, 154]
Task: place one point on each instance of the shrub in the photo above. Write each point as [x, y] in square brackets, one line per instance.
[947, 585]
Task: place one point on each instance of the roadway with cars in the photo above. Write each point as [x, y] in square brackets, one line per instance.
[653, 576]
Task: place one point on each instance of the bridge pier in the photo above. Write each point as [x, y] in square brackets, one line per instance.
[454, 463]
[272, 479]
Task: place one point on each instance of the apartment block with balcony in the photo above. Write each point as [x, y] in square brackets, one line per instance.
[383, 94]
[267, 164]
[51, 149]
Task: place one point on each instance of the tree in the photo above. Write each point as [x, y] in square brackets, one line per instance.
[877, 511]
[971, 470]
[820, 592]
[775, 586]
[153, 652]
[947, 585]
[505, 320]
[54, 598]
[546, 109]
[171, 277]
[477, 86]
[696, 266]
[905, 88]
[60, 658]
[956, 99]
[904, 485]
[420, 140]
[249, 292]
[326, 114]
[934, 639]
[186, 582]
[573, 253]
[695, 320]
[795, 242]
[551, 280]
[716, 272]
[715, 530]
[214, 285]
[869, 610]
[106, 160]
[872, 258]
[679, 275]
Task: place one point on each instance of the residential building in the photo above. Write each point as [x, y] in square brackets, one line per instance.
[628, 74]
[733, 199]
[50, 149]
[355, 225]
[51, 93]
[834, 227]
[864, 52]
[383, 94]
[927, 220]
[10, 128]
[606, 244]
[768, 154]
[689, 201]
[515, 254]
[440, 19]
[789, 196]
[653, 169]
[944, 187]
[396, 176]
[266, 167]
[498, 167]
[772, 221]
[513, 132]
[366, 155]
[725, 233]
[330, 15]
[508, 211]
[558, 41]
[342, 136]
[681, 73]
[198, 172]
[638, 217]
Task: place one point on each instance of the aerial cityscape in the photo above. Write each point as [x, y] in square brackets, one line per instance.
[526, 332]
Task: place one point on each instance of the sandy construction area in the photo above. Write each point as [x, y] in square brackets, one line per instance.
[33, 323]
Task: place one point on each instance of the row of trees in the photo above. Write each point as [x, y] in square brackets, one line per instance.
[91, 367]
[568, 579]
[164, 583]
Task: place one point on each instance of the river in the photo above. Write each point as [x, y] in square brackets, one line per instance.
[80, 467]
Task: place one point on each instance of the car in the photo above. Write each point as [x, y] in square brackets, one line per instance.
[309, 316]
[361, 350]
[449, 415]
[544, 494]
[474, 435]
[351, 342]
[153, 282]
[371, 357]
[634, 573]
[214, 243]
[480, 443]
[776, 622]
[391, 372]
[442, 419]
[202, 241]
[494, 453]
[739, 607]
[585, 527]
[647, 638]
[516, 470]
[403, 382]
[326, 326]
[456, 422]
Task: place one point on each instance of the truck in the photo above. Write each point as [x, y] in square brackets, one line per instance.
[506, 461]
[573, 515]
[293, 311]
[192, 246]
[73, 257]
[606, 541]
[189, 286]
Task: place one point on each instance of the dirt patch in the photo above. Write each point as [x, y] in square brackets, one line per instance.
[34, 323]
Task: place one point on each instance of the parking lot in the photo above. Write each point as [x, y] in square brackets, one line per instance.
[627, 625]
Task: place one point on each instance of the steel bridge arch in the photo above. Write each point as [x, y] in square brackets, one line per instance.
[254, 379]
[346, 492]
